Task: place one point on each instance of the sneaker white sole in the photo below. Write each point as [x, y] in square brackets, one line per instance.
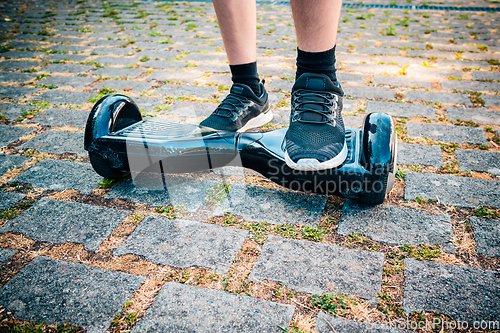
[312, 164]
[258, 121]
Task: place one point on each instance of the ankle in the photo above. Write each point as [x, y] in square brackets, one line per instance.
[246, 74]
[317, 62]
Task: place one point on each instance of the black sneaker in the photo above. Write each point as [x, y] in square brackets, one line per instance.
[315, 139]
[241, 110]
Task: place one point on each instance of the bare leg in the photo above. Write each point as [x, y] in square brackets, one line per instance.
[316, 23]
[238, 27]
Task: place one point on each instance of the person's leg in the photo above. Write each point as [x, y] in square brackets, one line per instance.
[247, 104]
[315, 139]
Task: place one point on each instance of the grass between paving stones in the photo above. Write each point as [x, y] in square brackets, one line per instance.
[8, 323]
[217, 193]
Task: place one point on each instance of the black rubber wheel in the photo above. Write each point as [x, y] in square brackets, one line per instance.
[101, 166]
[377, 191]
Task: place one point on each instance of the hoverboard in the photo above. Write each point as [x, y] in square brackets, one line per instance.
[120, 142]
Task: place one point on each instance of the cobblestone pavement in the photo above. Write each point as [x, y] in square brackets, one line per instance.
[107, 256]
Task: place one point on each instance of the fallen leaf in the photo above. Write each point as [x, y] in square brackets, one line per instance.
[128, 89]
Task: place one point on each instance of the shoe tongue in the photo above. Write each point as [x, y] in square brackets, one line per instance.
[314, 82]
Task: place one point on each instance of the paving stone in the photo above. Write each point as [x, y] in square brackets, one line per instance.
[409, 154]
[351, 121]
[112, 50]
[61, 175]
[123, 61]
[66, 68]
[373, 68]
[156, 46]
[56, 142]
[8, 199]
[154, 54]
[124, 85]
[470, 85]
[319, 268]
[12, 133]
[192, 109]
[183, 244]
[56, 291]
[15, 54]
[62, 97]
[189, 77]
[476, 160]
[16, 77]
[282, 85]
[404, 110]
[273, 206]
[453, 190]
[9, 162]
[59, 222]
[61, 117]
[184, 308]
[377, 50]
[102, 42]
[6, 255]
[179, 190]
[69, 57]
[482, 75]
[67, 81]
[148, 103]
[368, 92]
[463, 293]
[117, 72]
[16, 92]
[487, 235]
[446, 133]
[438, 73]
[397, 225]
[349, 77]
[175, 90]
[398, 81]
[438, 97]
[480, 116]
[326, 324]
[211, 67]
[13, 111]
[14, 65]
[162, 64]
[491, 100]
[69, 48]
[459, 64]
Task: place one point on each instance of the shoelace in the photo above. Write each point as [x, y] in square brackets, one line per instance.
[329, 102]
[231, 104]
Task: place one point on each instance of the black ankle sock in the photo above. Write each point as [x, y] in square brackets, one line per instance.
[246, 74]
[316, 62]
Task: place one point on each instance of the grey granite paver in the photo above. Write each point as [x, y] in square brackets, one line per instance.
[220, 79]
[61, 175]
[453, 190]
[476, 160]
[184, 308]
[463, 293]
[55, 96]
[15, 92]
[58, 222]
[162, 64]
[179, 190]
[274, 206]
[108, 60]
[56, 142]
[436, 73]
[470, 85]
[24, 65]
[182, 243]
[175, 90]
[13, 111]
[15, 54]
[368, 92]
[283, 85]
[12, 133]
[369, 68]
[124, 85]
[404, 110]
[409, 154]
[438, 97]
[160, 75]
[112, 50]
[192, 109]
[8, 199]
[480, 116]
[446, 133]
[156, 54]
[397, 225]
[6, 255]
[487, 235]
[70, 57]
[66, 68]
[117, 72]
[399, 81]
[9, 162]
[319, 268]
[67, 81]
[61, 117]
[57, 291]
[16, 77]
[491, 100]
[329, 324]
[482, 75]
